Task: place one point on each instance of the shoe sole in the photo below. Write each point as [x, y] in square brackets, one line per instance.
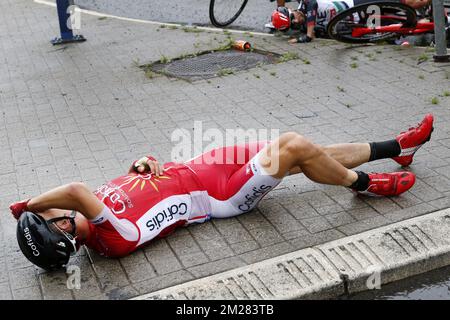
[426, 140]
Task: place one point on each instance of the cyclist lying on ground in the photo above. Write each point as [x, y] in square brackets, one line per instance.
[312, 16]
[152, 199]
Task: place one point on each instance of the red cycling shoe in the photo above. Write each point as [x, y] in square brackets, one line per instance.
[411, 140]
[389, 184]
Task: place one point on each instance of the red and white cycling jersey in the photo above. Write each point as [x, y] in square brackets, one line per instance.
[140, 207]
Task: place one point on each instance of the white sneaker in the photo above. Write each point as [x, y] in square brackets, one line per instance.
[269, 25]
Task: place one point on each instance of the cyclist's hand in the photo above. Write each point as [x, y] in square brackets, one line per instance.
[18, 208]
[304, 38]
[146, 165]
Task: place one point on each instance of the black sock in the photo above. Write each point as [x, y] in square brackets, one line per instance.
[362, 183]
[384, 149]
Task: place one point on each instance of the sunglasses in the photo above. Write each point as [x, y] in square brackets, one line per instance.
[69, 236]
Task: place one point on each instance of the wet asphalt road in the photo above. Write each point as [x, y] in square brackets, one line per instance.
[434, 285]
[254, 16]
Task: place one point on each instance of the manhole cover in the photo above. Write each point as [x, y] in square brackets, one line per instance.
[213, 64]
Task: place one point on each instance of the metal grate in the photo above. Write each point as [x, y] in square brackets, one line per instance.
[213, 64]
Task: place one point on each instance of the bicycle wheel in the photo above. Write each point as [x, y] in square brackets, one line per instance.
[224, 12]
[356, 25]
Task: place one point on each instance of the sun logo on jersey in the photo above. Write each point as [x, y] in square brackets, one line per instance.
[142, 180]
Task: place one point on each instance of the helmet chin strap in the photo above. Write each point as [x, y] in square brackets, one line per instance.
[71, 236]
[71, 218]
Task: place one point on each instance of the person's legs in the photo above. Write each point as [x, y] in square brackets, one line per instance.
[236, 181]
[350, 155]
[247, 185]
[238, 186]
[293, 153]
[401, 149]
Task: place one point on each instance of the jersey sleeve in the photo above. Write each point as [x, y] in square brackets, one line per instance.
[124, 227]
[101, 217]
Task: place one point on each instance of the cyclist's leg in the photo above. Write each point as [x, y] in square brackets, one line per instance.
[350, 155]
[292, 150]
[293, 154]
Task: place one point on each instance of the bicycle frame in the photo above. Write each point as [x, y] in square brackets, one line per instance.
[420, 27]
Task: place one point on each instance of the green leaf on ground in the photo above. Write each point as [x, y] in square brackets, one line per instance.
[225, 72]
[164, 59]
[287, 56]
[422, 58]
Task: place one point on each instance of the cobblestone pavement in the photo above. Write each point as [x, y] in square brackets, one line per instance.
[85, 112]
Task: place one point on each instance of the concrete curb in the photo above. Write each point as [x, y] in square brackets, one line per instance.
[333, 269]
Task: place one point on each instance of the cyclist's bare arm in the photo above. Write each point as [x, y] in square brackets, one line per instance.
[73, 196]
[77, 196]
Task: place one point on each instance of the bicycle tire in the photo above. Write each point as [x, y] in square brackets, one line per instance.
[220, 19]
[399, 13]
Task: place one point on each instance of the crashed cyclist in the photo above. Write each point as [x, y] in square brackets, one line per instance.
[312, 16]
[153, 199]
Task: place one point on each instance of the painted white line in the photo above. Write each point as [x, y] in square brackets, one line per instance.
[99, 14]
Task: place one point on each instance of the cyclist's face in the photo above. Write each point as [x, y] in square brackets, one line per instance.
[63, 224]
[299, 18]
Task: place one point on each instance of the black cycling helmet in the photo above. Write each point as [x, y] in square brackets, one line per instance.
[43, 243]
